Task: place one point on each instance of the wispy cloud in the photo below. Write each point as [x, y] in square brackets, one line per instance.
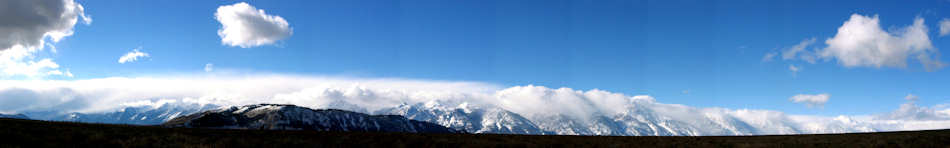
[794, 69]
[133, 56]
[817, 100]
[944, 27]
[209, 67]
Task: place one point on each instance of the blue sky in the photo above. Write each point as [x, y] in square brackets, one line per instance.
[711, 49]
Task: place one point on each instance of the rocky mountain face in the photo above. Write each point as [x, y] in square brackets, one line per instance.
[467, 118]
[291, 117]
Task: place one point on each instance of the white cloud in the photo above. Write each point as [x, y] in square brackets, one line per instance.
[818, 100]
[768, 57]
[244, 26]
[132, 56]
[209, 67]
[794, 69]
[861, 42]
[911, 97]
[799, 51]
[238, 90]
[944, 27]
[26, 24]
[910, 111]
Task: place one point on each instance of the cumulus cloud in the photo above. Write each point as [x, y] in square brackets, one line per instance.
[24, 29]
[861, 42]
[244, 26]
[132, 56]
[818, 100]
[209, 67]
[944, 27]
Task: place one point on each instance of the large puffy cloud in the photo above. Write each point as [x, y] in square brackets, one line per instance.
[28, 22]
[369, 95]
[861, 41]
[816, 100]
[25, 25]
[244, 26]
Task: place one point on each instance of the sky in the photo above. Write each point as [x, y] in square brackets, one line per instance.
[799, 57]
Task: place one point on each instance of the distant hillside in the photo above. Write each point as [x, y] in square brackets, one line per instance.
[292, 117]
[34, 133]
[15, 116]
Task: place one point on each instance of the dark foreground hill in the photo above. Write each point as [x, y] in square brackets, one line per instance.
[33, 133]
[292, 117]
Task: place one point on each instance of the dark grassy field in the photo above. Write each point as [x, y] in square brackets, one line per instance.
[31, 133]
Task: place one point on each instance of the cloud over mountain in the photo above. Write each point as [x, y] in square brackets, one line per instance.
[244, 26]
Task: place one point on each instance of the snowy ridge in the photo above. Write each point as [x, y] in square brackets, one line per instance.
[641, 117]
[466, 117]
[139, 115]
[292, 117]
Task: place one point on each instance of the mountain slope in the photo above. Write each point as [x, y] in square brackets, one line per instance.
[291, 117]
[14, 116]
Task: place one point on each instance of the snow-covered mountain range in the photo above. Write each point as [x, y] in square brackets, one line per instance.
[139, 115]
[640, 116]
[529, 110]
[467, 118]
[292, 117]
